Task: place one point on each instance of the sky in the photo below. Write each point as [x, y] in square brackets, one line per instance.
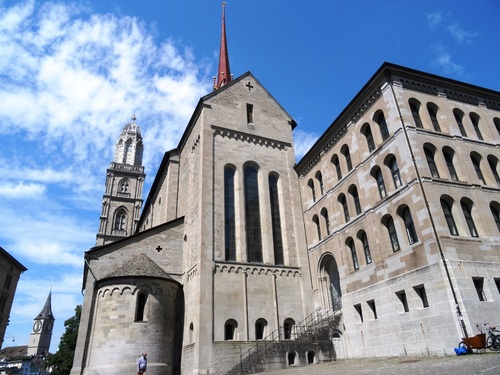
[72, 73]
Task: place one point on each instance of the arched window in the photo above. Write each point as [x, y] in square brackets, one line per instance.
[382, 124]
[429, 155]
[276, 219]
[345, 209]
[366, 247]
[433, 109]
[252, 215]
[393, 236]
[354, 256]
[124, 186]
[493, 162]
[448, 157]
[496, 121]
[415, 112]
[336, 164]
[459, 118]
[140, 308]
[121, 220]
[409, 225]
[476, 161]
[467, 210]
[366, 130]
[347, 156]
[319, 177]
[377, 174]
[288, 328]
[324, 213]
[310, 183]
[260, 329]
[229, 214]
[495, 211]
[318, 226]
[474, 118]
[448, 215]
[126, 152]
[355, 197]
[230, 329]
[396, 177]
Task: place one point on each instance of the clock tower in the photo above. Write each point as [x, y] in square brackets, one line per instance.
[41, 333]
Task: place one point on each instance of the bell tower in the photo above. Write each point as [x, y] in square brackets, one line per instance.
[122, 199]
[41, 333]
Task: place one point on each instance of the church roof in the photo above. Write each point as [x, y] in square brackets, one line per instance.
[140, 265]
[46, 312]
[132, 127]
[12, 352]
[224, 72]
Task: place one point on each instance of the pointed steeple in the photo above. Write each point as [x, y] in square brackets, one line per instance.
[46, 312]
[224, 73]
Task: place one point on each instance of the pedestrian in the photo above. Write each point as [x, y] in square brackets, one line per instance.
[142, 364]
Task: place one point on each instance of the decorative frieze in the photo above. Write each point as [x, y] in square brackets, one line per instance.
[249, 138]
[252, 269]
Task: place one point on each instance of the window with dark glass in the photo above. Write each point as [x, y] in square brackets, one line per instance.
[393, 236]
[496, 121]
[318, 226]
[230, 329]
[469, 220]
[429, 155]
[345, 209]
[347, 156]
[229, 215]
[358, 309]
[354, 256]
[310, 183]
[260, 326]
[319, 177]
[276, 220]
[420, 290]
[410, 226]
[355, 197]
[384, 131]
[493, 162]
[479, 286]
[415, 107]
[369, 138]
[371, 304]
[252, 215]
[366, 248]
[249, 113]
[141, 306]
[449, 217]
[396, 177]
[476, 161]
[459, 115]
[324, 213]
[495, 211]
[380, 183]
[120, 220]
[474, 118]
[433, 115]
[336, 164]
[448, 157]
[404, 301]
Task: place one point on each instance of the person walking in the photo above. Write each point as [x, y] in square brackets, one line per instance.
[142, 364]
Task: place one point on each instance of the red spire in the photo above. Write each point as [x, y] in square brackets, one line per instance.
[224, 73]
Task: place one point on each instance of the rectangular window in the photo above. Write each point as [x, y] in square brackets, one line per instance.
[249, 113]
[420, 290]
[371, 304]
[478, 284]
[360, 312]
[404, 302]
[497, 283]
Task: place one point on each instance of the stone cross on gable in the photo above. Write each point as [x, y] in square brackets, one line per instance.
[158, 248]
[249, 86]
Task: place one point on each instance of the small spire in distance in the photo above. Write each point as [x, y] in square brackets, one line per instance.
[224, 73]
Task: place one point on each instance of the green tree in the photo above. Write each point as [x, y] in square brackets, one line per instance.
[62, 360]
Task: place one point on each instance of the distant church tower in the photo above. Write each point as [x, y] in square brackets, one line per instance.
[42, 330]
[122, 200]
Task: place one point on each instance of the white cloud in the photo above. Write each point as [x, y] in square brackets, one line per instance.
[303, 141]
[444, 60]
[21, 190]
[461, 35]
[435, 18]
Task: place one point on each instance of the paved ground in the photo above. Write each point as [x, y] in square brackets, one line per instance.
[480, 364]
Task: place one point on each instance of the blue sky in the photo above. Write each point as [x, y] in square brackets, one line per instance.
[73, 73]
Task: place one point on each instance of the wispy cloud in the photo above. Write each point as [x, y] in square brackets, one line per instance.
[303, 141]
[461, 35]
[434, 18]
[21, 190]
[443, 60]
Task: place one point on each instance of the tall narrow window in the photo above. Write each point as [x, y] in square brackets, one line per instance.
[449, 217]
[371, 304]
[476, 161]
[410, 227]
[319, 177]
[415, 108]
[459, 116]
[366, 248]
[229, 214]
[380, 119]
[433, 115]
[230, 329]
[354, 256]
[420, 290]
[276, 220]
[324, 213]
[124, 185]
[252, 215]
[345, 208]
[496, 121]
[120, 220]
[468, 219]
[396, 177]
[402, 298]
[448, 157]
[249, 113]
[380, 183]
[310, 183]
[359, 311]
[474, 118]
[479, 286]
[493, 162]
[369, 138]
[495, 211]
[140, 307]
[318, 226]
[393, 236]
[355, 197]
[336, 164]
[347, 156]
[260, 328]
[429, 155]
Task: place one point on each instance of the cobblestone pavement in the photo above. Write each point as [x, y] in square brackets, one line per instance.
[483, 364]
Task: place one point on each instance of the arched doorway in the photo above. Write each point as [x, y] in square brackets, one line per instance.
[329, 281]
[338, 345]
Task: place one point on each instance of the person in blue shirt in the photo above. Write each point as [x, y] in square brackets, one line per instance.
[142, 364]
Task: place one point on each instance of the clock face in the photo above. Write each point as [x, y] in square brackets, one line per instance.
[37, 326]
[47, 326]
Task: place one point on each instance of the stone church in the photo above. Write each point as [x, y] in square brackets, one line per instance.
[383, 240]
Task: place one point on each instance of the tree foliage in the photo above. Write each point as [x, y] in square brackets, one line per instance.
[62, 361]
